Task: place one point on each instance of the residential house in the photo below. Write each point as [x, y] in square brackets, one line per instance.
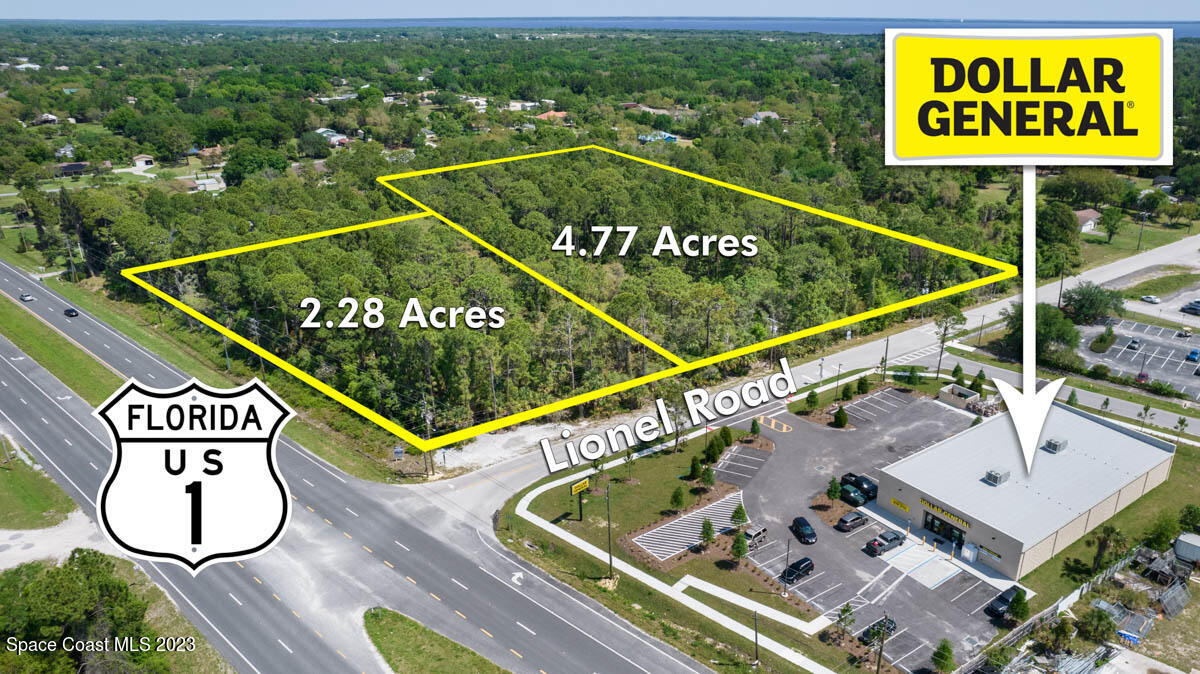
[548, 102]
[479, 103]
[71, 168]
[209, 153]
[65, 152]
[657, 136]
[27, 66]
[46, 118]
[552, 114]
[70, 90]
[143, 161]
[62, 67]
[759, 117]
[521, 106]
[334, 138]
[1088, 219]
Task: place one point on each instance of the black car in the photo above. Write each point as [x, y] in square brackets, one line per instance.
[853, 496]
[851, 521]
[884, 627]
[804, 530]
[862, 483]
[1000, 604]
[796, 570]
[71, 312]
[1191, 309]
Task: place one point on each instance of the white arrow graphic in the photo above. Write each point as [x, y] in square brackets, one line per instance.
[517, 577]
[1028, 407]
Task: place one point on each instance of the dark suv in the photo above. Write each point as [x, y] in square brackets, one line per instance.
[884, 627]
[804, 530]
[862, 483]
[853, 496]
[796, 570]
[888, 540]
[1000, 604]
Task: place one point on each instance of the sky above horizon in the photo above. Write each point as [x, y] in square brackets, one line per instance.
[1024, 10]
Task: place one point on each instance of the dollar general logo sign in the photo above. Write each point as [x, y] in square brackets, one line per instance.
[1028, 96]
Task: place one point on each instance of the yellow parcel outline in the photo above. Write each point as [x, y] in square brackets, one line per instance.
[1004, 271]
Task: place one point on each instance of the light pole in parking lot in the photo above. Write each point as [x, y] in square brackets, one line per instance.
[837, 380]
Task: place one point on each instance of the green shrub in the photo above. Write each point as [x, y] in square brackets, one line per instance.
[847, 392]
[754, 428]
[864, 384]
[726, 436]
[840, 418]
[694, 471]
[1099, 371]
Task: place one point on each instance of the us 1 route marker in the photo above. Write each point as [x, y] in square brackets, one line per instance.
[1087, 97]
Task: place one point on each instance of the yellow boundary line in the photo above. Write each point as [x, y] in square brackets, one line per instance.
[1005, 271]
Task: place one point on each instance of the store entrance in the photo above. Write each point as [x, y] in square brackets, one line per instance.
[944, 529]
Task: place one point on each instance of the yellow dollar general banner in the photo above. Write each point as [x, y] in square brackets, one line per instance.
[1029, 96]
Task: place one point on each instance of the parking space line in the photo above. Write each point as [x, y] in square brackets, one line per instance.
[769, 560]
[860, 530]
[919, 647]
[981, 606]
[867, 401]
[828, 590]
[809, 580]
[731, 472]
[960, 594]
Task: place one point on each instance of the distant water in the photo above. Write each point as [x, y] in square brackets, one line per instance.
[757, 24]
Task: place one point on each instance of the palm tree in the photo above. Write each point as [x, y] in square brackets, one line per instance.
[1107, 538]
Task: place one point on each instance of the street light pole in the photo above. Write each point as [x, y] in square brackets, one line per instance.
[837, 380]
[756, 640]
[979, 339]
[608, 502]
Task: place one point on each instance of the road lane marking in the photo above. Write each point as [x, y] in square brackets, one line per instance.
[981, 606]
[368, 549]
[93, 465]
[350, 511]
[307, 482]
[106, 346]
[526, 629]
[295, 614]
[44, 421]
[310, 509]
[285, 646]
[68, 441]
[460, 585]
[347, 535]
[460, 615]
[390, 566]
[435, 596]
[327, 521]
[342, 654]
[810, 599]
[402, 545]
[411, 580]
[23, 402]
[276, 597]
[516, 654]
[256, 580]
[128, 361]
[240, 565]
[487, 633]
[239, 603]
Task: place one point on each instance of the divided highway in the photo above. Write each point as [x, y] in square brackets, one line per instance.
[351, 545]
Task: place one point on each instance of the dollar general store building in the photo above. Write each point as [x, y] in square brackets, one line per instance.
[972, 489]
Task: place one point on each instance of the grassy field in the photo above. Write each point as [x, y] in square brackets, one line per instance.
[31, 260]
[1097, 250]
[1176, 641]
[164, 616]
[74, 367]
[167, 341]
[408, 646]
[28, 499]
[1051, 580]
[657, 475]
[1163, 285]
[994, 192]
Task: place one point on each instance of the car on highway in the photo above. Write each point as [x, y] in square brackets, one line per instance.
[1194, 356]
[1142, 377]
[1192, 307]
[999, 606]
[862, 483]
[804, 531]
[70, 312]
[1134, 344]
[851, 495]
[1151, 299]
[26, 297]
[796, 570]
[884, 627]
[851, 521]
[888, 540]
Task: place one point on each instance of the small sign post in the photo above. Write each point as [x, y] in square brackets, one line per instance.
[577, 488]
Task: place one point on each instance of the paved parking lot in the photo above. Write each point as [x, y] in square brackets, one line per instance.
[740, 464]
[1163, 355]
[928, 598]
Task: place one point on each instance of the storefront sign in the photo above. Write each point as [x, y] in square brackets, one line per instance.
[946, 514]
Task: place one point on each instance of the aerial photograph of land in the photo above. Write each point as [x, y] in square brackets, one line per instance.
[622, 343]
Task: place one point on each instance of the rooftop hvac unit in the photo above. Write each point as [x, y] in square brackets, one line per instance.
[1056, 445]
[996, 477]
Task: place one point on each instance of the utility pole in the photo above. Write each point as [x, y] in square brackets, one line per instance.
[821, 376]
[608, 502]
[979, 339]
[1143, 229]
[882, 636]
[837, 380]
[787, 557]
[756, 640]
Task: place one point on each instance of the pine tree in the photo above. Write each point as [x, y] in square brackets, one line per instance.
[677, 499]
[754, 428]
[726, 436]
[708, 478]
[738, 517]
[943, 657]
[977, 382]
[740, 548]
[840, 418]
[1073, 400]
[811, 401]
[694, 472]
[834, 490]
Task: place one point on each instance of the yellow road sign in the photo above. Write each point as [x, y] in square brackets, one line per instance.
[579, 486]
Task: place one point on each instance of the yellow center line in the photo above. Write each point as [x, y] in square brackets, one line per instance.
[389, 564]
[310, 509]
[435, 596]
[411, 580]
[347, 535]
[367, 549]
[256, 580]
[516, 654]
[327, 521]
[460, 615]
[487, 633]
[294, 498]
[240, 565]
[276, 597]
[295, 614]
[319, 634]
[342, 654]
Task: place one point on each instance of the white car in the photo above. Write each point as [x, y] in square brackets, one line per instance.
[26, 297]
[1151, 299]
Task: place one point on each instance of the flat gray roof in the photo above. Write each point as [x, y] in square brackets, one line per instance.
[1101, 458]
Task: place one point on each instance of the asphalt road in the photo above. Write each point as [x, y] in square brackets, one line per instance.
[351, 545]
